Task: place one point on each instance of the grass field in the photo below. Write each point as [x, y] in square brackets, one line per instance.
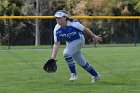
[21, 71]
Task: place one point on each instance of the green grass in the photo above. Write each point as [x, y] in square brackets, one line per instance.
[62, 46]
[21, 71]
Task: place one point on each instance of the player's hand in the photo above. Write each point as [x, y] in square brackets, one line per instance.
[98, 38]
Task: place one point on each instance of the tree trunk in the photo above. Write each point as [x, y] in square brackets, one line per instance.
[37, 36]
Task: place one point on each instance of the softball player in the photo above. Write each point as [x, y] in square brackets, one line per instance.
[72, 32]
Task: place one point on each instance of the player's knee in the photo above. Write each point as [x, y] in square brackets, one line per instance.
[68, 57]
[66, 54]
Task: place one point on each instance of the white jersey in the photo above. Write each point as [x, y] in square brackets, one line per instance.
[72, 32]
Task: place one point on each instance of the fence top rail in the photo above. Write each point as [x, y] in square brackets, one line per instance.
[77, 17]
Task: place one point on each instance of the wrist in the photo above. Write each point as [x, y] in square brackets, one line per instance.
[51, 58]
[95, 36]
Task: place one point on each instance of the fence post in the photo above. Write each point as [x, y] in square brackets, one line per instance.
[9, 26]
[135, 38]
[94, 32]
[51, 33]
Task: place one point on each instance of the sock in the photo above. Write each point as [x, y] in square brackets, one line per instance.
[90, 69]
[71, 64]
[72, 69]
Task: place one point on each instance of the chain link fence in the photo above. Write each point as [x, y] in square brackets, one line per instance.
[115, 32]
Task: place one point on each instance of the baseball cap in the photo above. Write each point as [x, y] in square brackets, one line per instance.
[61, 14]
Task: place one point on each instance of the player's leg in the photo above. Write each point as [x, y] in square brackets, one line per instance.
[72, 48]
[71, 64]
[79, 58]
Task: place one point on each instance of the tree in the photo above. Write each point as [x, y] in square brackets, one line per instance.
[8, 8]
[108, 7]
[137, 5]
[38, 8]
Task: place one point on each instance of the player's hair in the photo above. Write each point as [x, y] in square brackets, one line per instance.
[67, 17]
[70, 19]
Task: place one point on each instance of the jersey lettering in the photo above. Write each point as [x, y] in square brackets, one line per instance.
[70, 33]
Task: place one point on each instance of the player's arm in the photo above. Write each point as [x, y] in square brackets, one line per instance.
[89, 32]
[55, 49]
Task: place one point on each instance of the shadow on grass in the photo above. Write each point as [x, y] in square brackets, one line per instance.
[116, 83]
[100, 83]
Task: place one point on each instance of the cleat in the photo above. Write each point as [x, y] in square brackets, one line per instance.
[73, 77]
[95, 78]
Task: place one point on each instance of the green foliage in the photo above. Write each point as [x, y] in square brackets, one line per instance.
[10, 7]
[137, 7]
[109, 29]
